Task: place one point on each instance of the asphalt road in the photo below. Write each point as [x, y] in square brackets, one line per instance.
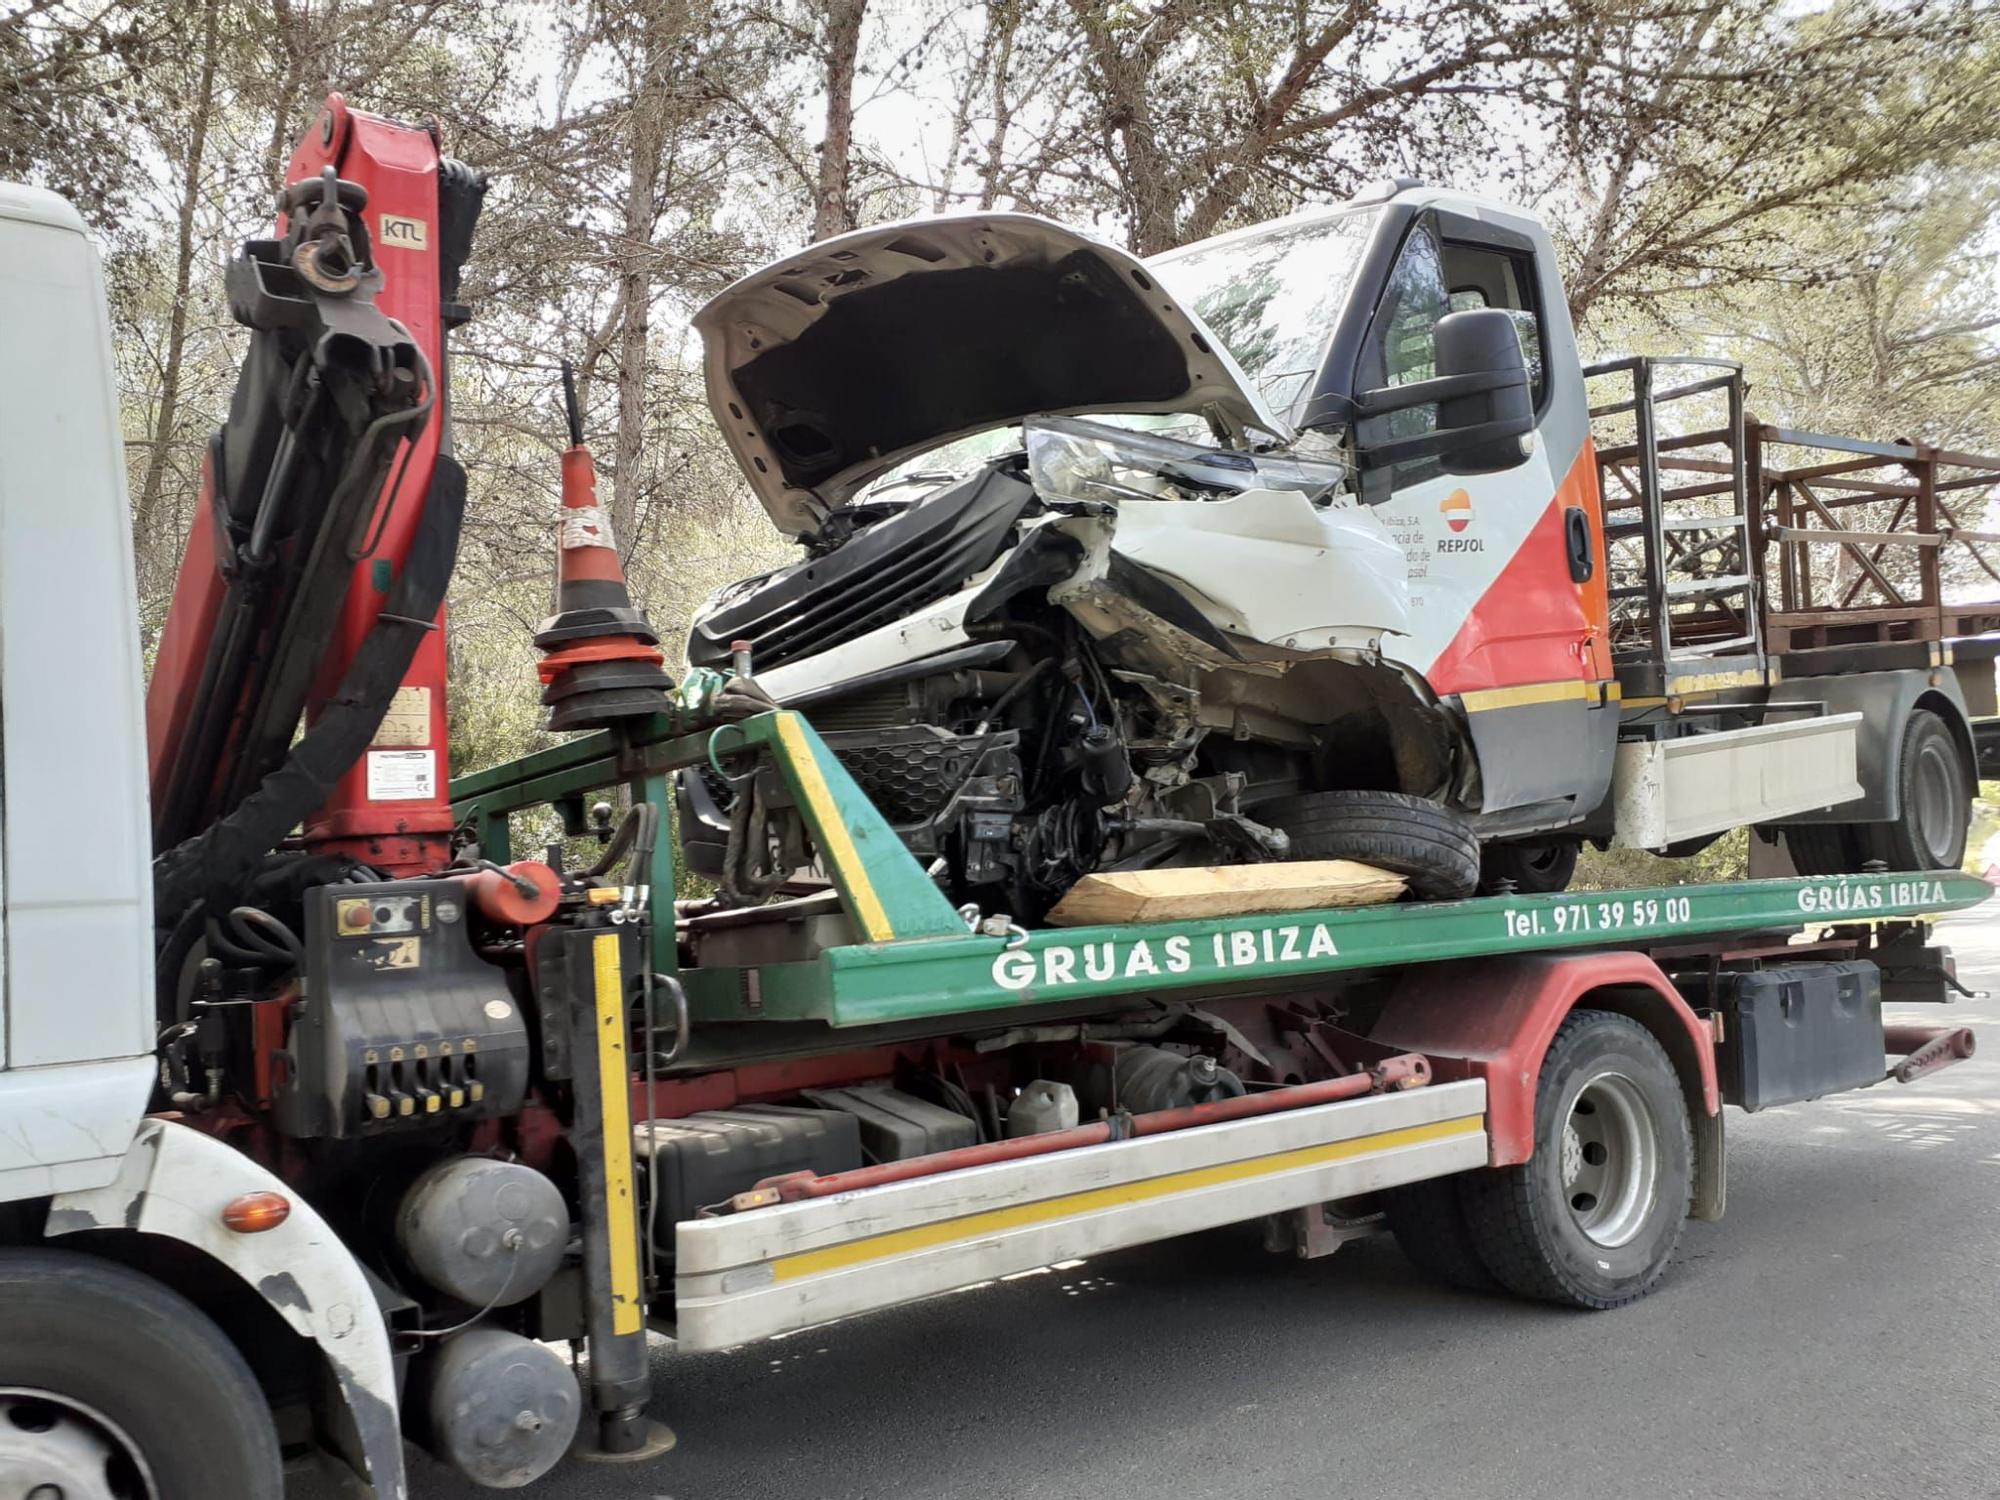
[1837, 1334]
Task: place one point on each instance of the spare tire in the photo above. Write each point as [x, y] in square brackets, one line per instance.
[1428, 843]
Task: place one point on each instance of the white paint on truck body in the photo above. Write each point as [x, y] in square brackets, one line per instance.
[75, 847]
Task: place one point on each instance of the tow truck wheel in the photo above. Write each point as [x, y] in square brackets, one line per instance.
[113, 1387]
[1531, 869]
[1591, 1219]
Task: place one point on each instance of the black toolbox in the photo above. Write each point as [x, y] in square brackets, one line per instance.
[705, 1159]
[1791, 1034]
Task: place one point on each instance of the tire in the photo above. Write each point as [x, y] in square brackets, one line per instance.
[1934, 797]
[1825, 848]
[123, 1373]
[1539, 1228]
[1428, 1221]
[1429, 844]
[1533, 869]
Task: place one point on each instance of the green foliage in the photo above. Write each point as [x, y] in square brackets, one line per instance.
[1810, 187]
[1728, 858]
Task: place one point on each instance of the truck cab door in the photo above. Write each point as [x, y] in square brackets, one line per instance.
[1507, 592]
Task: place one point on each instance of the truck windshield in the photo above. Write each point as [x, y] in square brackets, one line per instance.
[1272, 296]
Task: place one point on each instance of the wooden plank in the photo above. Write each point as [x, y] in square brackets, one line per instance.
[1717, 437]
[1793, 438]
[1224, 891]
[1818, 534]
[1970, 482]
[1862, 491]
[1892, 613]
[1958, 460]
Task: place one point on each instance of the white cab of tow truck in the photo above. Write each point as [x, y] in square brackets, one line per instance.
[77, 1007]
[76, 989]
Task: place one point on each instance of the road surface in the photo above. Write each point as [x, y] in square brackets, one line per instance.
[1838, 1334]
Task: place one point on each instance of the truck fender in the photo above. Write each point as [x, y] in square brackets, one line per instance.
[175, 1182]
[1885, 701]
[1494, 1019]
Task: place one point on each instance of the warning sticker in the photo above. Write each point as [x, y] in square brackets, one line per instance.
[408, 721]
[398, 953]
[402, 775]
[586, 526]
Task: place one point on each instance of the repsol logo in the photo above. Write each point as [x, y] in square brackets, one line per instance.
[1461, 544]
[403, 232]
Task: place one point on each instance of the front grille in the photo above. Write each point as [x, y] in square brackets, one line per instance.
[909, 774]
[886, 707]
[890, 570]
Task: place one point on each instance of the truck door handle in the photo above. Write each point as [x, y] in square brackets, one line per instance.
[1576, 534]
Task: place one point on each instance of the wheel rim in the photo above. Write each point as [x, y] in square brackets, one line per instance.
[1610, 1160]
[55, 1447]
[1936, 813]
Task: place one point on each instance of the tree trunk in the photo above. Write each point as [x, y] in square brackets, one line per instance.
[288, 50]
[1005, 17]
[1150, 184]
[833, 213]
[646, 136]
[152, 486]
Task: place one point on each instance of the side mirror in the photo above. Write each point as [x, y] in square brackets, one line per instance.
[1485, 426]
[1485, 401]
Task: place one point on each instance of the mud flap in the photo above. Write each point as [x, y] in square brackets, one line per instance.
[1711, 1166]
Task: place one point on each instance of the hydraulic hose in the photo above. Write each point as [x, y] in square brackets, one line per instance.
[218, 862]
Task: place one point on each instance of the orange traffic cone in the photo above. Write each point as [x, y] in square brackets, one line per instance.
[603, 661]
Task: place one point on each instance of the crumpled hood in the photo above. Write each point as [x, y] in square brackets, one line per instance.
[832, 366]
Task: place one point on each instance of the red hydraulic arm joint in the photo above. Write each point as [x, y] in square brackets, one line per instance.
[392, 808]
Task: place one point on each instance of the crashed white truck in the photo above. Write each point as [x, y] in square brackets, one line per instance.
[1292, 543]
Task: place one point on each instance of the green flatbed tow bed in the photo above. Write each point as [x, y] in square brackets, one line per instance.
[920, 960]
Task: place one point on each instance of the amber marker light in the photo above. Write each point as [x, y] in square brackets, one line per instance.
[253, 1213]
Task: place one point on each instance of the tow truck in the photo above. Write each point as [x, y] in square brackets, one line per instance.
[328, 1114]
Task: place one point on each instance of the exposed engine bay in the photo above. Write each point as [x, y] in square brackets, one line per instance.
[1102, 649]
